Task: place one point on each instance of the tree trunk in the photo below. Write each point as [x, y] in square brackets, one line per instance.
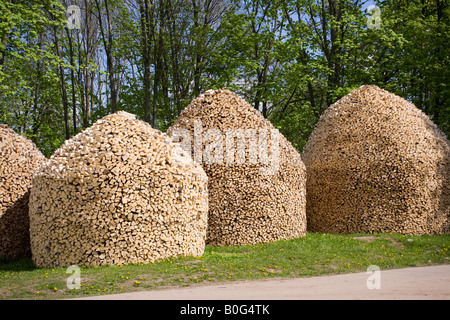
[63, 86]
[198, 42]
[72, 77]
[174, 59]
[3, 50]
[158, 62]
[108, 45]
[146, 26]
[90, 40]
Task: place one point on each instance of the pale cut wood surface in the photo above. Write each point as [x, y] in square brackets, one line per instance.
[119, 192]
[376, 163]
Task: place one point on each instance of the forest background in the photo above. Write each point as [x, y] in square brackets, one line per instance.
[62, 68]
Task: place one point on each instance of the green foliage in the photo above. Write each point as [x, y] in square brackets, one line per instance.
[415, 63]
[20, 25]
[290, 59]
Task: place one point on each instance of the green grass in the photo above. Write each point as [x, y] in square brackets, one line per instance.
[313, 255]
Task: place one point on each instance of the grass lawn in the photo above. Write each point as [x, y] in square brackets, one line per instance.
[313, 255]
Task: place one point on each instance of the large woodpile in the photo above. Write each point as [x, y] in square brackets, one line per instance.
[19, 161]
[119, 192]
[376, 163]
[254, 196]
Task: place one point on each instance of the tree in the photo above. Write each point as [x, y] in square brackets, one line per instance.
[147, 14]
[416, 68]
[106, 30]
[291, 59]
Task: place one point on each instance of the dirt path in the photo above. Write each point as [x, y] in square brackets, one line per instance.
[410, 283]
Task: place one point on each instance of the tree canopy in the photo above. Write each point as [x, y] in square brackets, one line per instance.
[290, 59]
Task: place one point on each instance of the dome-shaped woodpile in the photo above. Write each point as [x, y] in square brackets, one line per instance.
[119, 192]
[19, 161]
[257, 180]
[376, 163]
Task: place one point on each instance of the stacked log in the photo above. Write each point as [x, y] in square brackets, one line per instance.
[257, 188]
[119, 192]
[376, 163]
[19, 161]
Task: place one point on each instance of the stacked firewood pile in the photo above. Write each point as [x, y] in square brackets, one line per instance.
[376, 163]
[119, 192]
[257, 180]
[19, 161]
